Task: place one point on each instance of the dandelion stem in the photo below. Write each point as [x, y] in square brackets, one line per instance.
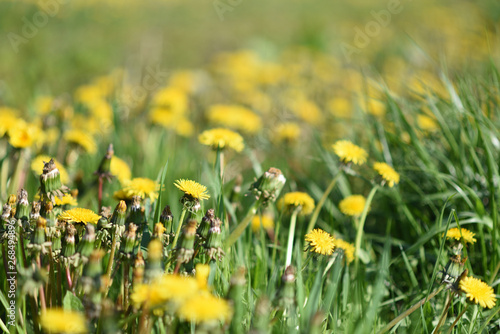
[410, 310]
[458, 318]
[43, 304]
[321, 202]
[442, 319]
[359, 234]
[111, 256]
[179, 226]
[99, 193]
[242, 226]
[291, 234]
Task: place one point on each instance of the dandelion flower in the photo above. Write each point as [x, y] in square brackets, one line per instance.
[320, 242]
[23, 135]
[139, 186]
[80, 215]
[37, 167]
[287, 132]
[201, 276]
[9, 119]
[265, 221]
[43, 105]
[235, 117]
[427, 123]
[205, 307]
[120, 169]
[81, 139]
[222, 138]
[300, 200]
[352, 205]
[461, 234]
[387, 172]
[348, 152]
[346, 247]
[67, 199]
[192, 189]
[478, 292]
[61, 321]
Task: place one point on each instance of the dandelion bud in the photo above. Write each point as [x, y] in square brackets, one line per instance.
[55, 238]
[12, 203]
[213, 246]
[235, 294]
[119, 216]
[39, 236]
[23, 206]
[260, 322]
[50, 181]
[92, 271]
[454, 268]
[185, 252]
[236, 192]
[155, 253]
[137, 211]
[205, 224]
[69, 242]
[268, 187]
[6, 212]
[287, 292]
[159, 232]
[86, 245]
[49, 214]
[104, 166]
[128, 240]
[138, 274]
[35, 211]
[166, 218]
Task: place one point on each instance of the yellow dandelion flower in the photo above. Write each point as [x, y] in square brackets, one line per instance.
[23, 135]
[478, 292]
[461, 234]
[38, 163]
[235, 117]
[352, 205]
[43, 105]
[81, 139]
[67, 199]
[348, 152]
[346, 247]
[9, 119]
[288, 132]
[222, 138]
[88, 94]
[139, 186]
[427, 123]
[192, 188]
[201, 276]
[373, 107]
[298, 199]
[120, 169]
[148, 294]
[387, 172]
[205, 307]
[61, 321]
[340, 107]
[172, 99]
[80, 215]
[307, 110]
[320, 242]
[266, 221]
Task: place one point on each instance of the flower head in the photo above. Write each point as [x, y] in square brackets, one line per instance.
[461, 234]
[24, 135]
[120, 169]
[235, 117]
[477, 291]
[205, 307]
[348, 152]
[300, 200]
[347, 249]
[352, 205]
[287, 132]
[387, 172]
[80, 215]
[222, 138]
[265, 221]
[192, 189]
[320, 242]
[67, 199]
[139, 186]
[61, 321]
[82, 139]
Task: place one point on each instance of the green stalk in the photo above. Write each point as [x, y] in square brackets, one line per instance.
[238, 231]
[458, 318]
[291, 234]
[321, 202]
[410, 310]
[179, 226]
[111, 256]
[474, 317]
[442, 319]
[359, 234]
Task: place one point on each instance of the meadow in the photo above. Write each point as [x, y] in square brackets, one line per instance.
[249, 167]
